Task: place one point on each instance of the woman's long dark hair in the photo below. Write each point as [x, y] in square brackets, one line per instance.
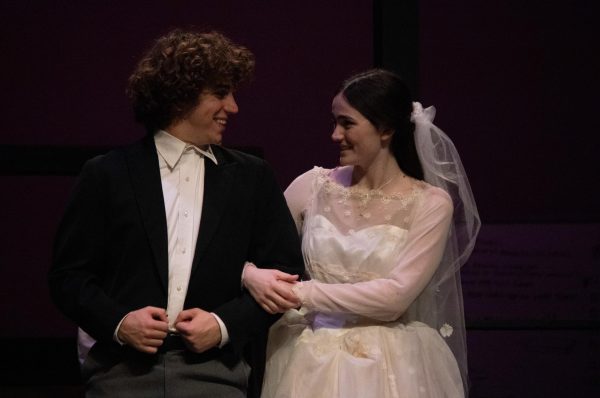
[383, 98]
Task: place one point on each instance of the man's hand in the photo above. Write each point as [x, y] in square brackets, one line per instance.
[271, 288]
[199, 329]
[144, 329]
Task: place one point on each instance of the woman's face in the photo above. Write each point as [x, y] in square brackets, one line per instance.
[360, 142]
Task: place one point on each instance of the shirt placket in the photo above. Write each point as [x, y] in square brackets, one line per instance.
[180, 266]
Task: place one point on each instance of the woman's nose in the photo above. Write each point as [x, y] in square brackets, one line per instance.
[337, 134]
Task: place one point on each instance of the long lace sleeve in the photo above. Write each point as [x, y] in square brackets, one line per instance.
[386, 299]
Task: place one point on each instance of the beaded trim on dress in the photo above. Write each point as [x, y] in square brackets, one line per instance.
[364, 196]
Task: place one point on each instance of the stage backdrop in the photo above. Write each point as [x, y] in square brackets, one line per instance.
[514, 84]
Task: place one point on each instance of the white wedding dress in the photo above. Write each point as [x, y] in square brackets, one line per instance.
[363, 329]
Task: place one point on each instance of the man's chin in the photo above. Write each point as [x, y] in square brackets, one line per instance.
[216, 139]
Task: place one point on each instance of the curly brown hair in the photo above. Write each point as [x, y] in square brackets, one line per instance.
[168, 80]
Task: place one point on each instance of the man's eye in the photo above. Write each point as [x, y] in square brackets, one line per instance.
[221, 92]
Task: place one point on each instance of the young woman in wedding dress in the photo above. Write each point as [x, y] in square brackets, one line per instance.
[383, 237]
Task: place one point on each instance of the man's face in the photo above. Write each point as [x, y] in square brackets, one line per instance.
[207, 121]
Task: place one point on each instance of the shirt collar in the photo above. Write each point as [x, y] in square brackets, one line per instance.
[171, 148]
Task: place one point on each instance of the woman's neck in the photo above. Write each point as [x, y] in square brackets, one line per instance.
[379, 174]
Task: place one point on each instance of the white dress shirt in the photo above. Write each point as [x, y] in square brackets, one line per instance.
[182, 178]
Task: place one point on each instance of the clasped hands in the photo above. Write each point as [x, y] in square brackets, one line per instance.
[146, 328]
[271, 288]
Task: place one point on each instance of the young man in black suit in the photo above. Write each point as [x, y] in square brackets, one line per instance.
[149, 255]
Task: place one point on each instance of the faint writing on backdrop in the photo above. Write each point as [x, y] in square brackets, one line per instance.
[544, 272]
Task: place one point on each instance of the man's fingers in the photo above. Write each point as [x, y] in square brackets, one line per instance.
[144, 329]
[152, 342]
[280, 303]
[151, 338]
[182, 318]
[285, 292]
[186, 315]
[156, 334]
[285, 276]
[284, 306]
[151, 346]
[148, 345]
[152, 326]
[181, 327]
[276, 305]
[148, 349]
[269, 306]
[283, 296]
[158, 313]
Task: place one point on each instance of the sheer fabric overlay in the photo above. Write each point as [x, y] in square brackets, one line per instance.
[443, 168]
[382, 314]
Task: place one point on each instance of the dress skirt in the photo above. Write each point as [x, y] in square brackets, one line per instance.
[379, 360]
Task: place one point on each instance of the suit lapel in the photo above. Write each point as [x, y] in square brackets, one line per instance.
[145, 176]
[218, 180]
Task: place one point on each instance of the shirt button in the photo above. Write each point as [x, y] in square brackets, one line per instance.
[178, 288]
[187, 179]
[185, 213]
[183, 250]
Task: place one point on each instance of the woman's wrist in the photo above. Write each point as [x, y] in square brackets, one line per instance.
[298, 290]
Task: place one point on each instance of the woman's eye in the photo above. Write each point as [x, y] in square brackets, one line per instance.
[344, 124]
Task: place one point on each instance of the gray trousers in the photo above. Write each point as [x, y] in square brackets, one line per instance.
[177, 373]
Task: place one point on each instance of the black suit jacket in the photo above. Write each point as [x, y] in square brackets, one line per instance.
[111, 255]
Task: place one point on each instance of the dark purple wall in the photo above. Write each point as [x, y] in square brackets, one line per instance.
[516, 86]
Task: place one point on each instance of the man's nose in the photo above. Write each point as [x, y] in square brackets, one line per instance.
[229, 104]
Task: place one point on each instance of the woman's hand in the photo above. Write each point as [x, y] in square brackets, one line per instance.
[271, 288]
